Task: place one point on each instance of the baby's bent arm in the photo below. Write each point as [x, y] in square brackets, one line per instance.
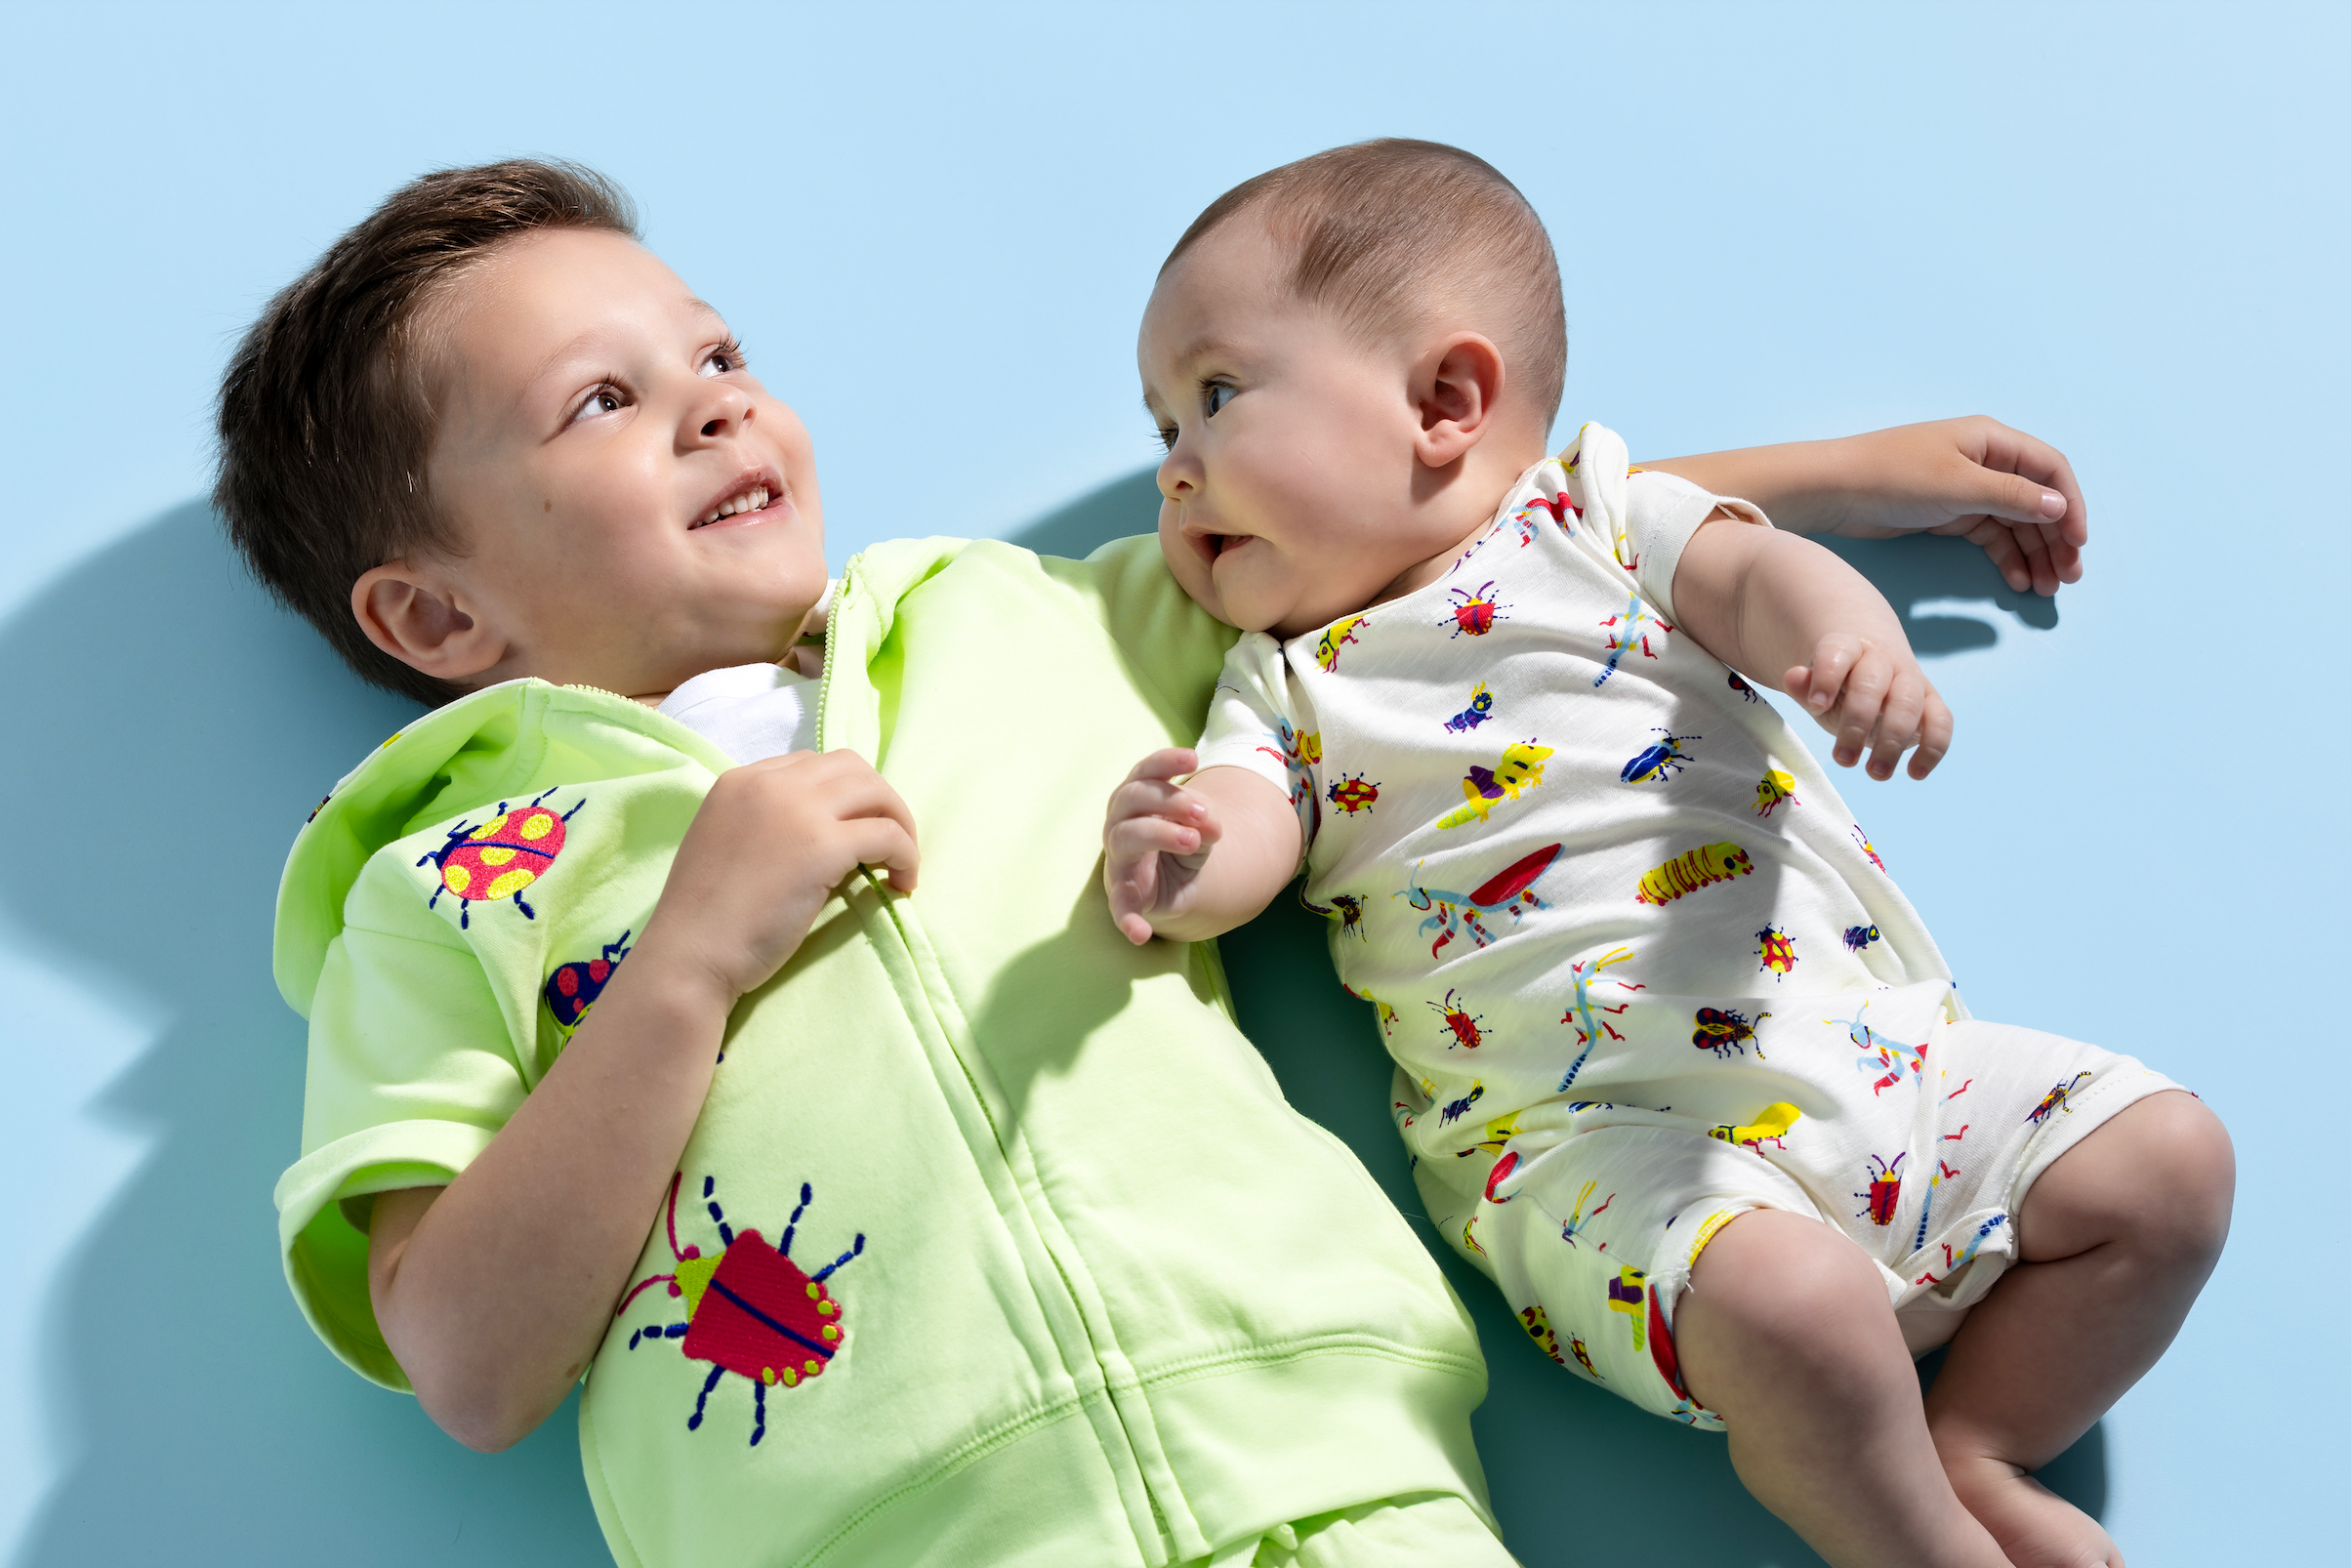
[494, 1291]
[1192, 861]
[1789, 613]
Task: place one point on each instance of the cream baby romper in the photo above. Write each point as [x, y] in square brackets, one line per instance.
[1639, 969]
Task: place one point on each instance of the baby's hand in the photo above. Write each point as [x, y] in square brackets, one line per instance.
[1156, 839]
[770, 842]
[1875, 697]
[1999, 488]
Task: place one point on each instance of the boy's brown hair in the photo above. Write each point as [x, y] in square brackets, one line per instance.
[1378, 232]
[325, 421]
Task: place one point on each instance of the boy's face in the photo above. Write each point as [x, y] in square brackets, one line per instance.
[1291, 475]
[595, 422]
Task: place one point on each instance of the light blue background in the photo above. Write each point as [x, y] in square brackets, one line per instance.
[2121, 228]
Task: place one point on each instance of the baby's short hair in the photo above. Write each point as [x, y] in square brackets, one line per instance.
[1381, 232]
[325, 416]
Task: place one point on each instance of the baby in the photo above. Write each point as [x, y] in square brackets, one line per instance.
[1678, 1063]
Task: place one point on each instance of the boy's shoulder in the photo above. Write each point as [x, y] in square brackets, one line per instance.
[507, 744]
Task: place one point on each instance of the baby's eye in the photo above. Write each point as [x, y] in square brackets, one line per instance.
[602, 401]
[1167, 437]
[1214, 397]
[726, 358]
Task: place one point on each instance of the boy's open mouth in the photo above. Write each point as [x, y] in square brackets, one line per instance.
[742, 502]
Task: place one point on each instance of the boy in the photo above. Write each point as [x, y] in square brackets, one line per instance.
[1597, 890]
[949, 1260]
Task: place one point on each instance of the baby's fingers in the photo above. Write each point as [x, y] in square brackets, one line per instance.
[1898, 719]
[1934, 735]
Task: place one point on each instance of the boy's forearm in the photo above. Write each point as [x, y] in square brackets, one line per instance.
[506, 1286]
[1804, 486]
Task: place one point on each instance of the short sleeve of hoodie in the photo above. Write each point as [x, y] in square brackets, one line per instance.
[1257, 721]
[412, 1071]
[1662, 512]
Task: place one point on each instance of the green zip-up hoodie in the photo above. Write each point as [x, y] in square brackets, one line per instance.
[996, 1241]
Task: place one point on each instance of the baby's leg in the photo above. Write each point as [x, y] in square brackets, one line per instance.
[1787, 1332]
[2115, 1240]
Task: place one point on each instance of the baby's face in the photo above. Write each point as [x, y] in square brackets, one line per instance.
[1290, 473]
[635, 508]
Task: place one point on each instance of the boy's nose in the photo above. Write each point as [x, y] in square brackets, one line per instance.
[725, 408]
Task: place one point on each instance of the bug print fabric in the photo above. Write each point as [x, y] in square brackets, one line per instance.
[1605, 896]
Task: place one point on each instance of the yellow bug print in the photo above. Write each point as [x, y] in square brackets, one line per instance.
[1771, 1125]
[1695, 869]
[1773, 790]
[1519, 770]
[1335, 636]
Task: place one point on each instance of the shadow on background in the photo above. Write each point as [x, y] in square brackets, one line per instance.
[168, 729]
[1929, 570]
[183, 725]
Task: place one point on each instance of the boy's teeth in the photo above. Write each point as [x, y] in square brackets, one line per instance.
[751, 501]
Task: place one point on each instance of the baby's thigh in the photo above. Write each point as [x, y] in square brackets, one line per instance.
[1592, 1241]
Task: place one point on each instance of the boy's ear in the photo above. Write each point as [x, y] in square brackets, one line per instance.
[421, 617]
[1456, 387]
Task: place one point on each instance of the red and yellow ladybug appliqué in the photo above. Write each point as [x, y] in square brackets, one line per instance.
[750, 1309]
[498, 858]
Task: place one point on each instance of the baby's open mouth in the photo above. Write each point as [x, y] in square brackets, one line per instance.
[1213, 545]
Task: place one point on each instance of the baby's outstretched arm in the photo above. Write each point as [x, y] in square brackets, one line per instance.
[1791, 614]
[2000, 488]
[561, 1198]
[1192, 860]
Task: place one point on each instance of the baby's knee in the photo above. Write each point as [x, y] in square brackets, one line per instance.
[1793, 1290]
[2191, 1175]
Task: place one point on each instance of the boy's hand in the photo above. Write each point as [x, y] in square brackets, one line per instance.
[1999, 488]
[1871, 695]
[2010, 494]
[1156, 839]
[772, 842]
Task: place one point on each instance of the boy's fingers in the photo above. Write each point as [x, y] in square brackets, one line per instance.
[2003, 451]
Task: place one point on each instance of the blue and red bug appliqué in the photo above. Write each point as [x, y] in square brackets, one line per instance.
[498, 858]
[750, 1309]
[572, 989]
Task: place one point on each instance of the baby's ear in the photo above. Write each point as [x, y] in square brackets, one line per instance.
[1456, 386]
[421, 616]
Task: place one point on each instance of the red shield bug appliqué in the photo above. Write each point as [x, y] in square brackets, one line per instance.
[1476, 613]
[749, 1310]
[572, 989]
[1886, 1188]
[498, 858]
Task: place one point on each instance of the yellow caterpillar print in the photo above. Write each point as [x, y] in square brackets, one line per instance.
[1520, 769]
[1687, 872]
[1538, 1324]
[1771, 1125]
[1774, 787]
[1335, 636]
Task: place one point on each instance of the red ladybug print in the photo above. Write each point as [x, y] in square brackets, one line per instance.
[574, 988]
[1461, 1022]
[498, 858]
[1476, 613]
[749, 1310]
[1354, 793]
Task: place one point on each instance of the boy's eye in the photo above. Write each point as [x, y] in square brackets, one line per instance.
[1214, 397]
[725, 359]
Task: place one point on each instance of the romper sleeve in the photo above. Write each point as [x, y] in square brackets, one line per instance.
[1662, 512]
[1257, 721]
[412, 1071]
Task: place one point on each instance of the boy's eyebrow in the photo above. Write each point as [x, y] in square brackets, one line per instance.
[572, 347]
